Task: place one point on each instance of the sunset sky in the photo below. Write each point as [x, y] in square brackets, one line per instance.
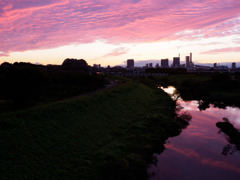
[109, 32]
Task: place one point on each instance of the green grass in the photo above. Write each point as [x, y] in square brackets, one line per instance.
[108, 135]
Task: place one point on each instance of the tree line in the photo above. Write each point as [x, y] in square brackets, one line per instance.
[25, 83]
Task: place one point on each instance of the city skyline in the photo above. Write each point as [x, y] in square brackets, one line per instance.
[110, 32]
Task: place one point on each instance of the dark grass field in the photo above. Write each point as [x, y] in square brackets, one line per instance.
[109, 135]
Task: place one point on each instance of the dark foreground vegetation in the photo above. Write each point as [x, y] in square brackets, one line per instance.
[110, 135]
[219, 89]
[232, 135]
[25, 84]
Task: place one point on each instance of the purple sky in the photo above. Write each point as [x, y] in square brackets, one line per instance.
[122, 25]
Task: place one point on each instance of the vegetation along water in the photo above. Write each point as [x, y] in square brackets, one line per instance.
[207, 149]
[109, 135]
[112, 134]
[209, 146]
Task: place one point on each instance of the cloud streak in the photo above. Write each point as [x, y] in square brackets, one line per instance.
[219, 164]
[41, 24]
[189, 153]
[117, 52]
[222, 50]
[3, 54]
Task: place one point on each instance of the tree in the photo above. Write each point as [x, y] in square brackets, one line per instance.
[22, 83]
[75, 64]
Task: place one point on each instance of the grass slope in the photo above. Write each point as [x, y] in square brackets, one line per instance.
[109, 135]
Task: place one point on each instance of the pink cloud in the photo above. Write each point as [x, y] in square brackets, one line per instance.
[117, 52]
[184, 151]
[40, 24]
[189, 153]
[3, 54]
[222, 50]
[219, 164]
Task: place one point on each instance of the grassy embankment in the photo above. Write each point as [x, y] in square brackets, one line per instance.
[110, 135]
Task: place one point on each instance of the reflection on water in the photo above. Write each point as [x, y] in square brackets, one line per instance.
[205, 149]
[172, 92]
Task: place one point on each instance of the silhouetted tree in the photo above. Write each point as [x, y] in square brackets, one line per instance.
[6, 64]
[232, 136]
[75, 64]
[203, 105]
[22, 82]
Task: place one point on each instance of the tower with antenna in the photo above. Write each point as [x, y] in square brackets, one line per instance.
[191, 62]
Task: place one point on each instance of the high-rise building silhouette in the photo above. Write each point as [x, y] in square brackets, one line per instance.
[150, 65]
[130, 63]
[187, 62]
[164, 63]
[233, 65]
[215, 65]
[176, 62]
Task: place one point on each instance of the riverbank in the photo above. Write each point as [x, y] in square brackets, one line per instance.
[111, 134]
[206, 149]
[219, 89]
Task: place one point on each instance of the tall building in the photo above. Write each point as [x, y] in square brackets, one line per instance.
[190, 58]
[215, 65]
[234, 65]
[187, 62]
[164, 63]
[150, 65]
[176, 62]
[130, 63]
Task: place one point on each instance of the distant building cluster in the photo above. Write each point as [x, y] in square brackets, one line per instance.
[97, 66]
[164, 63]
[162, 68]
[188, 65]
[174, 65]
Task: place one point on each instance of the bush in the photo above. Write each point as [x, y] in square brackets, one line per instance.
[23, 83]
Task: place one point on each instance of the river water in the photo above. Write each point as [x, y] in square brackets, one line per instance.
[201, 151]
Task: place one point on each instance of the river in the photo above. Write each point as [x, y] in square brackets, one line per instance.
[202, 150]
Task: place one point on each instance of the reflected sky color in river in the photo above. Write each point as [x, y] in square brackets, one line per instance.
[197, 152]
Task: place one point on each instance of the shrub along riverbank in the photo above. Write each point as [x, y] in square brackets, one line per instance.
[218, 89]
[110, 135]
